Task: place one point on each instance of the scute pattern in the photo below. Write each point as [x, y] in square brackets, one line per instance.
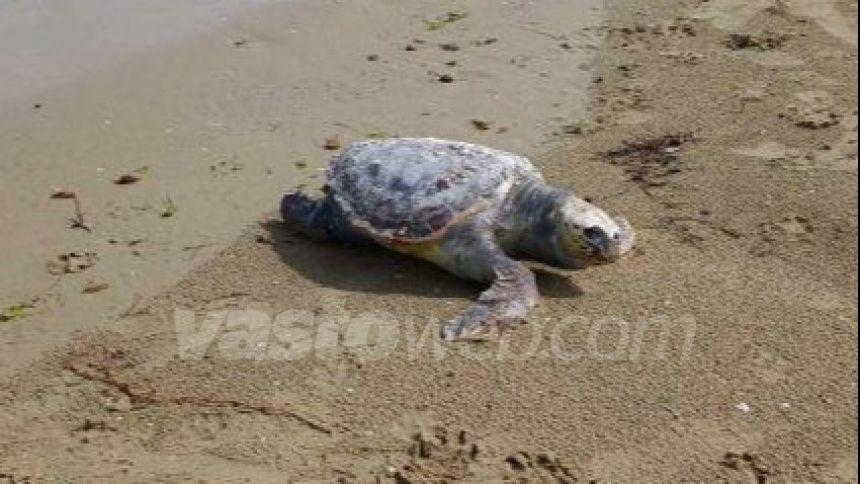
[409, 189]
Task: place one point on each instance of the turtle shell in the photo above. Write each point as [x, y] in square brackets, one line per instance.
[413, 189]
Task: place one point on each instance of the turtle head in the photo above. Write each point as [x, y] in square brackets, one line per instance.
[586, 235]
[557, 228]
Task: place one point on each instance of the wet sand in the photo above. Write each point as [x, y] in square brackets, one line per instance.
[222, 124]
[46, 45]
[724, 131]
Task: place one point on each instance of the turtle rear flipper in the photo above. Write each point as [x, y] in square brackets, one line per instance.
[319, 219]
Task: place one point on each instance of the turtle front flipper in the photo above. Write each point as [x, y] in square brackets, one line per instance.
[508, 300]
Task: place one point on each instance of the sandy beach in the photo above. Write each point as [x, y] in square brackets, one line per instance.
[172, 330]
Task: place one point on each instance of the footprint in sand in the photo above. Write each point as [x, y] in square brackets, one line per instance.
[775, 154]
[538, 467]
[815, 110]
[840, 155]
[828, 17]
[787, 231]
[436, 454]
[732, 15]
[747, 464]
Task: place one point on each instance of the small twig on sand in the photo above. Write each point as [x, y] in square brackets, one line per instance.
[78, 220]
[558, 37]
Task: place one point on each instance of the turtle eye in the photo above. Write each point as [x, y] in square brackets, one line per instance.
[596, 237]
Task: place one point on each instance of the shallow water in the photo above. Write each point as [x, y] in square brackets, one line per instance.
[49, 43]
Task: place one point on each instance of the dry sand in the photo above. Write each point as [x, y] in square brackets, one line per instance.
[747, 233]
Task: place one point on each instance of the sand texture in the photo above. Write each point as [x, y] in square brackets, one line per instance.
[723, 349]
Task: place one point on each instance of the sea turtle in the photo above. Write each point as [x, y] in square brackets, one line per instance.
[470, 209]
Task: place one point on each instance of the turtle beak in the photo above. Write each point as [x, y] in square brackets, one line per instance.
[621, 241]
[609, 247]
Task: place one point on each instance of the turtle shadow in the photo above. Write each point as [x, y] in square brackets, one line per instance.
[374, 269]
[555, 285]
